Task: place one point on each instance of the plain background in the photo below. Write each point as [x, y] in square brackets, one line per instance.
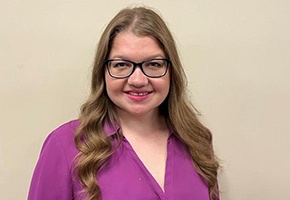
[236, 55]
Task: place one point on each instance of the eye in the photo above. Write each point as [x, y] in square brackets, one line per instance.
[120, 64]
[154, 64]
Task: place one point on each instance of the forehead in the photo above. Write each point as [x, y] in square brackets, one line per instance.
[128, 45]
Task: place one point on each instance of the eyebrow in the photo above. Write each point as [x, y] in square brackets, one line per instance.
[146, 58]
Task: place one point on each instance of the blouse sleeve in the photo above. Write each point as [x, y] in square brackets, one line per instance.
[52, 177]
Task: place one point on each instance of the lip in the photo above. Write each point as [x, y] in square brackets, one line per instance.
[138, 95]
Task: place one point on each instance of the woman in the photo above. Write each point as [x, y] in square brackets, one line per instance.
[138, 136]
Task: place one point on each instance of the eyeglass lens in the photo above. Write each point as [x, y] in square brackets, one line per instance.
[151, 68]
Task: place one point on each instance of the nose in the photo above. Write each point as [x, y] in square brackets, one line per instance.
[137, 79]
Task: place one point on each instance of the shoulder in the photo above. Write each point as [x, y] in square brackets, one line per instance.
[66, 130]
[52, 177]
[61, 140]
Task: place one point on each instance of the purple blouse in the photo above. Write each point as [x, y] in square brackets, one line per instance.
[124, 178]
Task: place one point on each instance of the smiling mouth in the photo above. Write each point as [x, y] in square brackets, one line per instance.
[139, 93]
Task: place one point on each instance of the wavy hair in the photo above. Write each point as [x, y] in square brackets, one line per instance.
[95, 148]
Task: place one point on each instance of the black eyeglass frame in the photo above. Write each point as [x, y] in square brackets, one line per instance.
[140, 64]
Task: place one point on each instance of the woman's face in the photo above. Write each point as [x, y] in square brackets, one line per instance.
[137, 95]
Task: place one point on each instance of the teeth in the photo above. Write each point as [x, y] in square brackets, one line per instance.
[138, 94]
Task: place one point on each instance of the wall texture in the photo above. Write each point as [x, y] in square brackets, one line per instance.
[236, 55]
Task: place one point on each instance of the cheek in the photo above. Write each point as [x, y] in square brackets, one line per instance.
[109, 85]
[162, 86]
[113, 86]
[166, 83]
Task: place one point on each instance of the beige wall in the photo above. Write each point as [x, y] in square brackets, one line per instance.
[236, 54]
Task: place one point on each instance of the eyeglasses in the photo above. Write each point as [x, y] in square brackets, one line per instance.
[154, 68]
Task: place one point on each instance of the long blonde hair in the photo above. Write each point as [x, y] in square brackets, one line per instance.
[95, 148]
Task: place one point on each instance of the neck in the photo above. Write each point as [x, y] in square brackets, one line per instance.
[146, 125]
